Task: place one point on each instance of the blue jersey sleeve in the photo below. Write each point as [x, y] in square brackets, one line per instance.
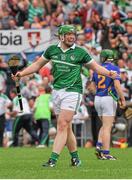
[93, 78]
[104, 83]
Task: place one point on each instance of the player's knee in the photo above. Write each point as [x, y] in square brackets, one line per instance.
[63, 125]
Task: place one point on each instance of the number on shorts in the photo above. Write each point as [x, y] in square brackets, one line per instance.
[101, 83]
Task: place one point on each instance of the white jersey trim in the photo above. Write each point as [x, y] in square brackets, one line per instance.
[61, 62]
[90, 61]
[44, 58]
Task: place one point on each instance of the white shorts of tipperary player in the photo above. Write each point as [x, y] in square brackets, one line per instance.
[65, 100]
[105, 106]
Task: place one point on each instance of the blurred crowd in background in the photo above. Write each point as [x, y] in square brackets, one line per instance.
[100, 24]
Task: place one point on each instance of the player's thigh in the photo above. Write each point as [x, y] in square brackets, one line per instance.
[71, 101]
[56, 101]
[66, 115]
[109, 106]
[97, 104]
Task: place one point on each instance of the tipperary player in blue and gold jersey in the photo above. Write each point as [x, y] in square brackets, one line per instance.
[108, 93]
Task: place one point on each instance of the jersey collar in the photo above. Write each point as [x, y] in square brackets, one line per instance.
[72, 47]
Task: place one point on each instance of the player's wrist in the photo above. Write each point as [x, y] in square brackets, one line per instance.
[110, 74]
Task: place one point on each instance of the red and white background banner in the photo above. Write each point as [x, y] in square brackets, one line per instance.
[15, 41]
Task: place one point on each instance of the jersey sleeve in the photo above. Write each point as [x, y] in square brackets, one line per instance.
[87, 58]
[93, 78]
[47, 53]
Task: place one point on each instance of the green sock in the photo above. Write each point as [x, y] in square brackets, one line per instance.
[54, 156]
[74, 154]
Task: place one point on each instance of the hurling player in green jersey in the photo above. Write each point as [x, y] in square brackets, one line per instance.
[67, 60]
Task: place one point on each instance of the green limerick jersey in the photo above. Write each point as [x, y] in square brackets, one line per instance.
[66, 66]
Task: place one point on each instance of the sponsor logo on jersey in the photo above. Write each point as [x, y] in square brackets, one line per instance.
[54, 57]
[63, 57]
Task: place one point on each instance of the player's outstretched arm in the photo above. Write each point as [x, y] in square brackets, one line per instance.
[102, 71]
[34, 67]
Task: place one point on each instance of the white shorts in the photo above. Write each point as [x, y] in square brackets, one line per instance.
[105, 106]
[66, 100]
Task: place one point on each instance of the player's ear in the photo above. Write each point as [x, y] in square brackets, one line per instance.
[62, 38]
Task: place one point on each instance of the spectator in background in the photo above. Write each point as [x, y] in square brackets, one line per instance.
[105, 40]
[5, 103]
[30, 86]
[12, 24]
[118, 13]
[121, 63]
[3, 74]
[42, 114]
[5, 19]
[95, 51]
[26, 25]
[13, 4]
[60, 14]
[34, 10]
[22, 120]
[124, 83]
[128, 26]
[117, 28]
[36, 23]
[107, 8]
[4, 6]
[81, 40]
[129, 71]
[50, 6]
[89, 33]
[71, 7]
[46, 21]
[125, 57]
[78, 124]
[22, 14]
[86, 12]
[98, 7]
[19, 10]
[89, 102]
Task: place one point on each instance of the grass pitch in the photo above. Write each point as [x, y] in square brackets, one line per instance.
[26, 163]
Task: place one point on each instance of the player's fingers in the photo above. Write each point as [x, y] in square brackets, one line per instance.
[122, 104]
[13, 76]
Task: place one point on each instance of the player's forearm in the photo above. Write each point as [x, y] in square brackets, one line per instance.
[33, 67]
[29, 70]
[100, 69]
[118, 89]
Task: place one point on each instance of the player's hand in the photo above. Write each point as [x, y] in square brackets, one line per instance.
[17, 76]
[122, 103]
[113, 74]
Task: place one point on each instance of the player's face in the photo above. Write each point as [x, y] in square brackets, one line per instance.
[69, 39]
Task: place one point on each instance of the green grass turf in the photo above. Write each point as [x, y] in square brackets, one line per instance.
[20, 163]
